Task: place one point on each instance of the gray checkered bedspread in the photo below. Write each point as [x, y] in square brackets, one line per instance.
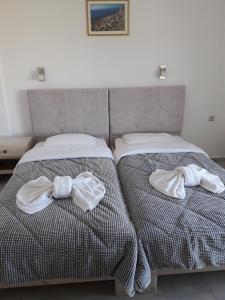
[62, 241]
[187, 234]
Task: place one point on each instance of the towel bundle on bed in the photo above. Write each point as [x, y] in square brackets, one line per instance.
[86, 191]
[172, 183]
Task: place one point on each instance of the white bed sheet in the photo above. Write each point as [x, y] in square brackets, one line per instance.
[42, 152]
[123, 149]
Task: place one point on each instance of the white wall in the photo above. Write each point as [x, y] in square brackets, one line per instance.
[187, 35]
[4, 117]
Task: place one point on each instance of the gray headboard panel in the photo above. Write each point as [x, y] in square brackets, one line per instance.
[69, 111]
[146, 109]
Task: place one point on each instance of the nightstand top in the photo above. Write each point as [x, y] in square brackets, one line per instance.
[16, 140]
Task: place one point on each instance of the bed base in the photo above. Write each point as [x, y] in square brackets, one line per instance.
[152, 288]
[166, 272]
[53, 282]
[119, 291]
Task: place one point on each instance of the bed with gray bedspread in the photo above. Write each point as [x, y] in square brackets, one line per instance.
[62, 241]
[174, 234]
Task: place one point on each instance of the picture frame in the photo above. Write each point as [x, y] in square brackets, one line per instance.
[107, 17]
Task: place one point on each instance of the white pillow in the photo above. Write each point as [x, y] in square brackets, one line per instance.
[70, 140]
[136, 138]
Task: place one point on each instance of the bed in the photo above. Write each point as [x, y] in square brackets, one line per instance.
[177, 236]
[62, 244]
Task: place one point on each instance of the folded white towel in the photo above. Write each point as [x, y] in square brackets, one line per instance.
[209, 181]
[86, 191]
[34, 195]
[172, 183]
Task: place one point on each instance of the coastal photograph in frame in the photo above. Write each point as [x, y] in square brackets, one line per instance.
[108, 17]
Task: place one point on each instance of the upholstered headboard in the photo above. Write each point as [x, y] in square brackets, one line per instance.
[69, 111]
[146, 109]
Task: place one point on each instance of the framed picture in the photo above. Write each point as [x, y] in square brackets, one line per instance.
[108, 17]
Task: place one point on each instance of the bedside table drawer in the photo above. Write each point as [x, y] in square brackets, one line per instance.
[14, 147]
[7, 152]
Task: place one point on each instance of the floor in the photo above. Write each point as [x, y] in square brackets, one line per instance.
[199, 286]
[3, 181]
[220, 161]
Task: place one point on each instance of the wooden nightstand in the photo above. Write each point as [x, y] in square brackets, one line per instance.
[11, 150]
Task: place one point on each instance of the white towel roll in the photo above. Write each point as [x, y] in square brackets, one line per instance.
[191, 176]
[62, 187]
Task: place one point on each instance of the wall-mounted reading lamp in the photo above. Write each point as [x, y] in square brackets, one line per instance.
[41, 74]
[163, 69]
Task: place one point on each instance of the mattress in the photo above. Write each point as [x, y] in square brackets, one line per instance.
[62, 241]
[184, 234]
